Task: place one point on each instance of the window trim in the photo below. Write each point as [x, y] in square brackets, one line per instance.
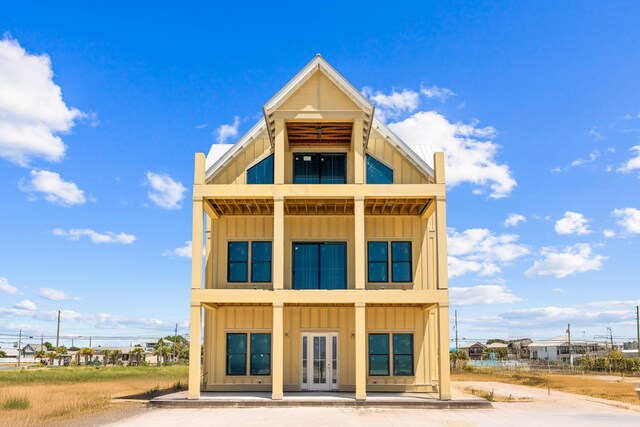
[386, 263]
[410, 261]
[270, 262]
[246, 263]
[388, 354]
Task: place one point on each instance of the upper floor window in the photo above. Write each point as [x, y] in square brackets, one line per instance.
[378, 262]
[378, 172]
[319, 168]
[401, 261]
[319, 265]
[238, 262]
[261, 172]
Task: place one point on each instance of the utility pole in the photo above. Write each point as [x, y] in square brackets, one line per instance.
[456, 317]
[19, 346]
[175, 338]
[569, 334]
[611, 335]
[638, 327]
[90, 342]
[58, 333]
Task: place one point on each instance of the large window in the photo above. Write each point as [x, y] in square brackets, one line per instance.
[378, 172]
[261, 262]
[319, 168]
[238, 259]
[401, 261]
[378, 261]
[236, 354]
[260, 354]
[379, 351]
[378, 354]
[402, 354]
[262, 172]
[320, 265]
[238, 262]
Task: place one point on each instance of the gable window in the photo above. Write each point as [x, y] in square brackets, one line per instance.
[378, 354]
[236, 354]
[261, 262]
[319, 265]
[401, 261]
[260, 354]
[378, 172]
[378, 261]
[319, 168]
[237, 261]
[261, 172]
[402, 354]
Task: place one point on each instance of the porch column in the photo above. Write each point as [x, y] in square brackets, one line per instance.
[277, 357]
[359, 245]
[444, 374]
[361, 351]
[278, 242]
[358, 152]
[194, 351]
[279, 142]
[442, 273]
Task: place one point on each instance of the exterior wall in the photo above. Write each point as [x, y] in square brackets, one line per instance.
[236, 171]
[404, 172]
[544, 353]
[318, 93]
[301, 319]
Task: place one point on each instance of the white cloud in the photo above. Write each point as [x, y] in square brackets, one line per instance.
[441, 93]
[593, 156]
[56, 295]
[482, 294]
[224, 132]
[608, 233]
[514, 219]
[480, 251]
[469, 156]
[628, 218]
[94, 236]
[6, 288]
[573, 223]
[633, 163]
[394, 104]
[165, 192]
[578, 258]
[25, 305]
[54, 189]
[32, 112]
[182, 251]
[557, 290]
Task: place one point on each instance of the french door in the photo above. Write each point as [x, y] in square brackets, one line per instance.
[319, 361]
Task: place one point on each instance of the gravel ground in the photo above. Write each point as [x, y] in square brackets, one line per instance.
[115, 413]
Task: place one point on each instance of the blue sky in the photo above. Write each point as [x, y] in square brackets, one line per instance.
[536, 104]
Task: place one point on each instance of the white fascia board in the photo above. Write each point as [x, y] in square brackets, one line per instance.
[255, 130]
[403, 146]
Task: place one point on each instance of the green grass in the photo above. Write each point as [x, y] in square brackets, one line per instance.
[90, 374]
[16, 402]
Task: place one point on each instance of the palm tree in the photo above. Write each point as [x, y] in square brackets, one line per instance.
[62, 350]
[162, 351]
[51, 355]
[40, 354]
[137, 353]
[87, 352]
[116, 355]
[106, 354]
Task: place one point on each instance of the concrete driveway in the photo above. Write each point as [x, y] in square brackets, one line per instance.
[557, 409]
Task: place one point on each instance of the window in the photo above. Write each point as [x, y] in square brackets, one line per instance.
[402, 354]
[320, 265]
[315, 168]
[378, 261]
[378, 172]
[260, 354]
[262, 172]
[238, 257]
[401, 261]
[378, 354]
[236, 354]
[261, 262]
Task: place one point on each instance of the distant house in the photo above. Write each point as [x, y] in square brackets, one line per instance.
[30, 350]
[558, 349]
[630, 354]
[474, 351]
[518, 349]
[11, 355]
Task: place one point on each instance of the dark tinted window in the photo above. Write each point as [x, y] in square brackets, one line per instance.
[378, 172]
[261, 173]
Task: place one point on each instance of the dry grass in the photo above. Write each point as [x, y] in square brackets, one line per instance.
[53, 395]
[492, 397]
[577, 384]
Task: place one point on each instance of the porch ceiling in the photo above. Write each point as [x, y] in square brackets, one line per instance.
[320, 133]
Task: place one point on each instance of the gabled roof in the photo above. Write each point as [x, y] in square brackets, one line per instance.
[318, 64]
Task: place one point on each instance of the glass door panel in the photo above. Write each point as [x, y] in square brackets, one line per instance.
[319, 361]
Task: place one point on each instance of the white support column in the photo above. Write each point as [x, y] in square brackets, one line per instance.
[194, 352]
[359, 244]
[444, 373]
[358, 152]
[361, 351]
[277, 369]
[278, 242]
[442, 273]
[279, 142]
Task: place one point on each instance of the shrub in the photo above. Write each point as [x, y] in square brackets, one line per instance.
[16, 402]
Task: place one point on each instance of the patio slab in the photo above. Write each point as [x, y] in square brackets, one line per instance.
[322, 399]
